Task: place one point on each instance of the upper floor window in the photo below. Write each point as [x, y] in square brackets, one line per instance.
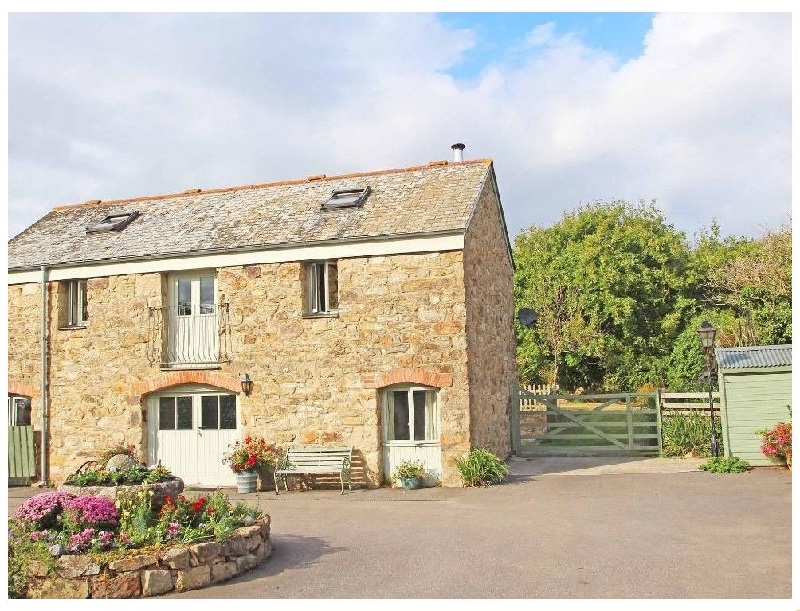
[322, 287]
[75, 310]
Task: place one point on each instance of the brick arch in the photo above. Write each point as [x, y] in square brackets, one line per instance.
[407, 376]
[169, 379]
[26, 390]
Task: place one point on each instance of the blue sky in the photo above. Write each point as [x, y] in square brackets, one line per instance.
[692, 110]
[500, 36]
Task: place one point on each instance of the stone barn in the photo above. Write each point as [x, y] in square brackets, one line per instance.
[373, 310]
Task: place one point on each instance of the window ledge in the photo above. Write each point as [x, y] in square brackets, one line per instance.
[334, 314]
[188, 366]
[71, 327]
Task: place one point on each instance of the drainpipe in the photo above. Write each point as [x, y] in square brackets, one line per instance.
[43, 481]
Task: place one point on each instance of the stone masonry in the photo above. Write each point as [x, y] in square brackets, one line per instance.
[441, 319]
[179, 568]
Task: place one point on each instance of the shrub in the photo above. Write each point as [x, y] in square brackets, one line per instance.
[91, 511]
[683, 434]
[481, 468]
[42, 510]
[776, 443]
[725, 465]
[135, 475]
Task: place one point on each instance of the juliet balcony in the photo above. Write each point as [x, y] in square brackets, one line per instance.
[186, 337]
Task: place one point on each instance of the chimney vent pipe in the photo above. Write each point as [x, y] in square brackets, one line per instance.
[458, 151]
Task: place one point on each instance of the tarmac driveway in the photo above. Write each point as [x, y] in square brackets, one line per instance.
[561, 528]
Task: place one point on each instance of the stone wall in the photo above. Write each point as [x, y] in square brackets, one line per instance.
[314, 377]
[91, 368]
[179, 568]
[491, 346]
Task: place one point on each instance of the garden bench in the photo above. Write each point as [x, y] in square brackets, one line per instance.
[314, 461]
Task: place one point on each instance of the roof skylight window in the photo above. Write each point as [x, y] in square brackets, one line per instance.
[347, 198]
[113, 222]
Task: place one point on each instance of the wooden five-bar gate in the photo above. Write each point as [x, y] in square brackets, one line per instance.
[575, 425]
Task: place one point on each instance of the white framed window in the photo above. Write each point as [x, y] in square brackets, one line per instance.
[76, 312]
[19, 410]
[322, 287]
[411, 414]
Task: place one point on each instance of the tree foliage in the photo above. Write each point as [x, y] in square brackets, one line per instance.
[620, 293]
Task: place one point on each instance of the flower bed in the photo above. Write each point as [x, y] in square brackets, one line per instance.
[150, 573]
[171, 487]
[123, 547]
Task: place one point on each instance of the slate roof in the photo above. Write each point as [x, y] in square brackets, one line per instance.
[431, 199]
[754, 356]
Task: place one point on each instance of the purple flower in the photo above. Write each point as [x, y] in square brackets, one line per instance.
[173, 529]
[106, 536]
[81, 540]
[43, 508]
[39, 535]
[92, 510]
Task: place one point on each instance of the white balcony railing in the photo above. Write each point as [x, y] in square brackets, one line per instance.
[179, 340]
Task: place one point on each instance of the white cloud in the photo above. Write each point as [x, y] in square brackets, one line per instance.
[106, 106]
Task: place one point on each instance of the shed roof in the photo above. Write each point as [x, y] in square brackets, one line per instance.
[748, 357]
[436, 198]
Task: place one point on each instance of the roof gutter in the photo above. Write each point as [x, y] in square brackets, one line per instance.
[244, 249]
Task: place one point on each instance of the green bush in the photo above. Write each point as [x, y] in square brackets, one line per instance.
[481, 468]
[134, 475]
[725, 465]
[683, 434]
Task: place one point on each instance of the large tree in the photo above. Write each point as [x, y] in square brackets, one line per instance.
[606, 280]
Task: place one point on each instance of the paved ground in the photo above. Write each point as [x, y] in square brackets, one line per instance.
[560, 528]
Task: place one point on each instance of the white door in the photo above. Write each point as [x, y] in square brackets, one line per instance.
[411, 430]
[188, 432]
[192, 322]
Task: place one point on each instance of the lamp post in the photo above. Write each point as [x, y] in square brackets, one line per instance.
[707, 332]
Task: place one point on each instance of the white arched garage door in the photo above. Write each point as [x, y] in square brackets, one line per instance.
[189, 430]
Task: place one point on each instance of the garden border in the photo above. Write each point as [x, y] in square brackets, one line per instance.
[151, 573]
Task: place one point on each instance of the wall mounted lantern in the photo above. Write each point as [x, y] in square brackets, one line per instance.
[247, 384]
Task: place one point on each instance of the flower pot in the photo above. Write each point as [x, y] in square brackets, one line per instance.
[246, 481]
[411, 483]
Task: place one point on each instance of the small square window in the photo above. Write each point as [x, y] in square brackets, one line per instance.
[113, 222]
[347, 198]
[74, 311]
[322, 287]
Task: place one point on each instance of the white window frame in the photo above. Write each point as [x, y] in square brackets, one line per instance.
[75, 311]
[318, 277]
[13, 409]
[431, 414]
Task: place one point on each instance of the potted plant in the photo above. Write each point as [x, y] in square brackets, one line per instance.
[776, 443]
[245, 457]
[411, 474]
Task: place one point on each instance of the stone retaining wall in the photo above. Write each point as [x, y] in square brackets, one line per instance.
[150, 573]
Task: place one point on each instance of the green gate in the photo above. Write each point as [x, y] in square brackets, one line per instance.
[21, 458]
[585, 425]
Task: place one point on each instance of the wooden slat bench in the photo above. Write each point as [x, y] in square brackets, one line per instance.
[312, 461]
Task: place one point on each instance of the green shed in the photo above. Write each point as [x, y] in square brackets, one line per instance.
[755, 384]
